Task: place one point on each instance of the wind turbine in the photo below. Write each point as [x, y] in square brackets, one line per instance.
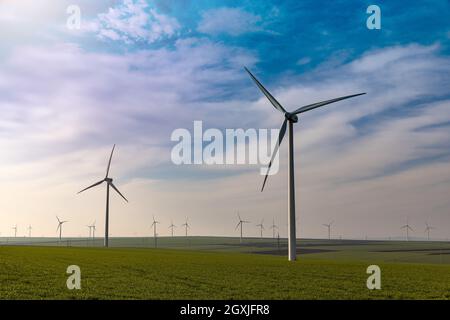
[329, 229]
[93, 229]
[407, 227]
[261, 226]
[60, 223]
[172, 226]
[154, 229]
[240, 223]
[186, 226]
[273, 227]
[427, 230]
[15, 231]
[290, 118]
[109, 183]
[29, 231]
[90, 230]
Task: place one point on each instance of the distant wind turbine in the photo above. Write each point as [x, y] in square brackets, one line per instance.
[90, 230]
[186, 226]
[407, 227]
[240, 223]
[15, 231]
[29, 231]
[93, 229]
[261, 228]
[109, 183]
[329, 229]
[60, 224]
[273, 227]
[154, 229]
[172, 226]
[428, 229]
[290, 118]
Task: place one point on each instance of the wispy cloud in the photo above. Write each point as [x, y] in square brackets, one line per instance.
[232, 21]
[134, 21]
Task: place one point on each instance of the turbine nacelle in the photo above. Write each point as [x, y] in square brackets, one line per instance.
[108, 180]
[291, 117]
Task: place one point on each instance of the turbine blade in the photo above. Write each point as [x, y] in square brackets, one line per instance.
[95, 184]
[322, 103]
[109, 162]
[237, 225]
[272, 100]
[117, 190]
[275, 150]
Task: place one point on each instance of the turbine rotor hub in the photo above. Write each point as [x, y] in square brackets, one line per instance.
[291, 117]
[109, 180]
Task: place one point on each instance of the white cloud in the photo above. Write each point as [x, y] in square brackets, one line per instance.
[303, 61]
[133, 21]
[233, 21]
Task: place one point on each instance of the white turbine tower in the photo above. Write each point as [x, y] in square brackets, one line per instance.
[289, 119]
[109, 183]
[240, 223]
[60, 224]
[261, 228]
[329, 228]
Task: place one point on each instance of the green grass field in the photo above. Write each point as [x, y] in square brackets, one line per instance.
[221, 268]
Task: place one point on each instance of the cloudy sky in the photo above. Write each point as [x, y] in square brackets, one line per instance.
[137, 70]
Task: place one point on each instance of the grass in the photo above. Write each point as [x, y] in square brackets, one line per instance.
[221, 271]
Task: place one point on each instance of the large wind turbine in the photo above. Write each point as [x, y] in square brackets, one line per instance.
[60, 224]
[240, 223]
[172, 226]
[109, 183]
[154, 229]
[427, 230]
[261, 228]
[407, 227]
[290, 118]
[186, 226]
[329, 229]
[273, 227]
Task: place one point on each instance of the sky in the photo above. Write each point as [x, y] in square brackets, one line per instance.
[137, 70]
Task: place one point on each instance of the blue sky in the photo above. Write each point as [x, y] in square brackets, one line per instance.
[137, 70]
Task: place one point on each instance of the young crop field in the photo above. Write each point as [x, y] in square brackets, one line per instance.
[221, 268]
